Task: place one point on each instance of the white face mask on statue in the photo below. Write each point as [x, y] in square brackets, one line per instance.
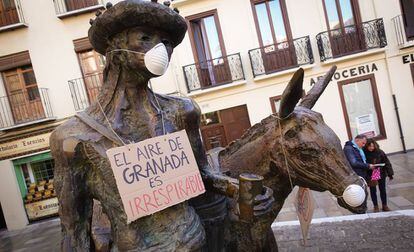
[156, 60]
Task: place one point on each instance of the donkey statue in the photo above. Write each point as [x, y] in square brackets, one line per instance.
[294, 147]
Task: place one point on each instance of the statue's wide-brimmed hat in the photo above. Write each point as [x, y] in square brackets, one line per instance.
[133, 13]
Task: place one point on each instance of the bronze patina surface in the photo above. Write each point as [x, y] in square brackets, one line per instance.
[128, 111]
[292, 148]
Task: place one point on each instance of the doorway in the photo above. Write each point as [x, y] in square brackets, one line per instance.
[208, 48]
[219, 128]
[2, 220]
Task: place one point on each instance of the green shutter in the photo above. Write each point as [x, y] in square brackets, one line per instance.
[20, 180]
[31, 159]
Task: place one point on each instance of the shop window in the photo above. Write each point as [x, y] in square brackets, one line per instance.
[361, 107]
[43, 170]
[35, 177]
[219, 128]
[210, 118]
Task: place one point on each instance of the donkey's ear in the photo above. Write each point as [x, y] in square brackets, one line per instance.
[292, 94]
[313, 95]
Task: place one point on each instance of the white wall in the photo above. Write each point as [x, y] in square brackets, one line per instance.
[10, 197]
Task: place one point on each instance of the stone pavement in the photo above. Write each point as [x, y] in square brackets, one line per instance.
[39, 237]
[381, 233]
[400, 193]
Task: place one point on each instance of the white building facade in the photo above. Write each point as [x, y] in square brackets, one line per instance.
[235, 61]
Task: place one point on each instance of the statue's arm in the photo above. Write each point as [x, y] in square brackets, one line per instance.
[213, 181]
[75, 203]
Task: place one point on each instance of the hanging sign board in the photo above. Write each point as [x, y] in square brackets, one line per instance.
[304, 209]
[155, 174]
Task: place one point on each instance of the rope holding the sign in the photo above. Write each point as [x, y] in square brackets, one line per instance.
[109, 124]
[159, 111]
[283, 148]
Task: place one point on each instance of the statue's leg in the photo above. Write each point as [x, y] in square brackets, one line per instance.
[101, 229]
[212, 210]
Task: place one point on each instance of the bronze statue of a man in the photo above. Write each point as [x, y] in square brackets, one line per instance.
[137, 38]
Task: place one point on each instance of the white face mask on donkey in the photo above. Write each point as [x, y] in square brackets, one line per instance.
[156, 59]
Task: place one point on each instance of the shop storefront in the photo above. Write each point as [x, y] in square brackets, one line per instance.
[35, 179]
[27, 192]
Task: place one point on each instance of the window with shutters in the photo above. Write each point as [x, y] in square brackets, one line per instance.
[23, 94]
[8, 13]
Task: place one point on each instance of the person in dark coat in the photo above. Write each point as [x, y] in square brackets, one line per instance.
[375, 155]
[356, 156]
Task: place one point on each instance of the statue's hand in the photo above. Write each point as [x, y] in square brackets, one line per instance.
[263, 202]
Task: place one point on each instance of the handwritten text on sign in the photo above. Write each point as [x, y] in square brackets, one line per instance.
[155, 174]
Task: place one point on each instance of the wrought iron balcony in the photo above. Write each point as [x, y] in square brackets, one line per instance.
[401, 32]
[351, 39]
[212, 73]
[25, 107]
[281, 56]
[65, 8]
[85, 90]
[11, 15]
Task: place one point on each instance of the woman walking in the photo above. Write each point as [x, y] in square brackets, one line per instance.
[374, 156]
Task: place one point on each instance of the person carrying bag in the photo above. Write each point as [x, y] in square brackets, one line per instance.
[378, 175]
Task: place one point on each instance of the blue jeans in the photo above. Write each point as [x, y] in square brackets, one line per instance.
[383, 192]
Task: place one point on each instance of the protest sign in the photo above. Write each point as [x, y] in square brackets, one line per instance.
[155, 174]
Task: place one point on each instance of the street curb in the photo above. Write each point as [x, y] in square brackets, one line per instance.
[348, 218]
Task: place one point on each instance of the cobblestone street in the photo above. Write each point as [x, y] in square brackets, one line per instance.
[395, 233]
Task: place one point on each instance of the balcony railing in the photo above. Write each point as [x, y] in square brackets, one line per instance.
[351, 39]
[281, 56]
[11, 14]
[66, 8]
[85, 90]
[212, 73]
[24, 107]
[401, 32]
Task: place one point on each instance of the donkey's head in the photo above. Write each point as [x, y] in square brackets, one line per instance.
[312, 149]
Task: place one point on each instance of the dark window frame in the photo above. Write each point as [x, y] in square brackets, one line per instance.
[412, 71]
[201, 15]
[408, 38]
[272, 100]
[377, 104]
[285, 16]
[355, 11]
